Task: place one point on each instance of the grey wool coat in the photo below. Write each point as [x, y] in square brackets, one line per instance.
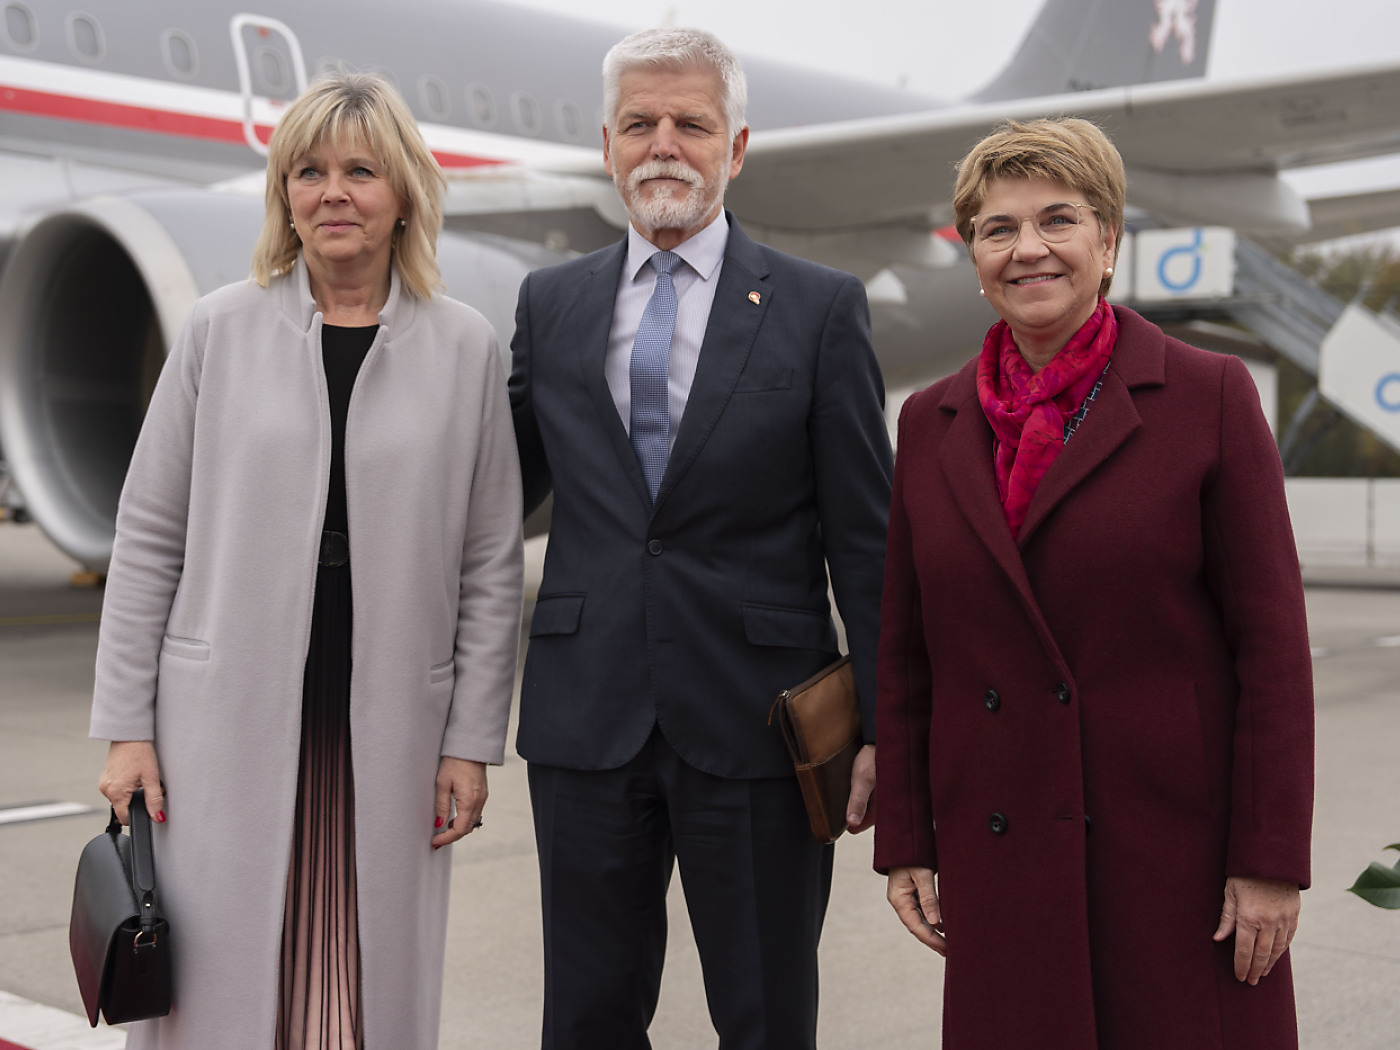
[207, 617]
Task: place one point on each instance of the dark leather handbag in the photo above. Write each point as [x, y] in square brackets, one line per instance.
[820, 720]
[120, 943]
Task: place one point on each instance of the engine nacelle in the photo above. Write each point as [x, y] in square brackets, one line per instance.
[91, 299]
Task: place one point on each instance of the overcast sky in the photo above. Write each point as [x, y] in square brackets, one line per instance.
[947, 48]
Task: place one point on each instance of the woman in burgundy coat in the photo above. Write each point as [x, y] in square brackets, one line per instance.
[1095, 681]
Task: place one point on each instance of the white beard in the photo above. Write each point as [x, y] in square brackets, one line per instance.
[664, 210]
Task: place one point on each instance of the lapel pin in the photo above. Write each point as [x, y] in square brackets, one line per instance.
[754, 298]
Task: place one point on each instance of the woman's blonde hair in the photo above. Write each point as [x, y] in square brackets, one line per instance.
[341, 108]
[1062, 149]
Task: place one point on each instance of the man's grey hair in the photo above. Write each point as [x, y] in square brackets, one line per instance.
[677, 49]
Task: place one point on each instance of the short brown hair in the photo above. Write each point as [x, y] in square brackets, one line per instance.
[1062, 149]
[341, 107]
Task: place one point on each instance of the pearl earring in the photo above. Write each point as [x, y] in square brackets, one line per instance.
[403, 223]
[1108, 272]
[981, 291]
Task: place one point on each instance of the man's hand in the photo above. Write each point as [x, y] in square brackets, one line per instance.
[1263, 915]
[912, 894]
[860, 807]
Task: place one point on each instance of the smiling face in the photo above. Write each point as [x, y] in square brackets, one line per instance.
[345, 212]
[670, 153]
[1045, 292]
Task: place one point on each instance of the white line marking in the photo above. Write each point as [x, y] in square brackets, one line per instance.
[42, 811]
[1318, 654]
[1389, 641]
[39, 1027]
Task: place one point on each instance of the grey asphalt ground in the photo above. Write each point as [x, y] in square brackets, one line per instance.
[880, 988]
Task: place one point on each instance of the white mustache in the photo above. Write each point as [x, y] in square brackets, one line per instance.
[665, 169]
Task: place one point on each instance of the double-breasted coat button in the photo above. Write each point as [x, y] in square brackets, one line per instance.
[992, 699]
[997, 823]
[1062, 693]
[1088, 822]
[654, 547]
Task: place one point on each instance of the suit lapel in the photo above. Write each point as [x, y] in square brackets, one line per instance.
[729, 335]
[591, 313]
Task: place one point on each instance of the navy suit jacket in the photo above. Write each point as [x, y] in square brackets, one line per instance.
[695, 612]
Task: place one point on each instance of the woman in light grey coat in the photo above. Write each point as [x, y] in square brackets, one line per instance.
[333, 425]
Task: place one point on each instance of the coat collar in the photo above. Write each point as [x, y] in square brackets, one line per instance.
[295, 300]
[1139, 361]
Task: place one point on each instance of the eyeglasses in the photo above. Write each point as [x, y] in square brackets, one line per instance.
[1055, 223]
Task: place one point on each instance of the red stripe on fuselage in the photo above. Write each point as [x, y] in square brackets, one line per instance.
[160, 122]
[118, 115]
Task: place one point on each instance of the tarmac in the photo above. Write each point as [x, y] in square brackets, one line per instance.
[880, 987]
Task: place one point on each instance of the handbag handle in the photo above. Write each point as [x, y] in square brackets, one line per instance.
[143, 868]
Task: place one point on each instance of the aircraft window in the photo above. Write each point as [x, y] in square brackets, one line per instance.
[181, 57]
[482, 106]
[272, 70]
[569, 123]
[433, 95]
[85, 37]
[18, 28]
[527, 113]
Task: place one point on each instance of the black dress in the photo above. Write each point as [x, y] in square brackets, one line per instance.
[319, 993]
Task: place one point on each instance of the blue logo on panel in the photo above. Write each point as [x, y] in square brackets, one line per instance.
[1193, 250]
[1388, 392]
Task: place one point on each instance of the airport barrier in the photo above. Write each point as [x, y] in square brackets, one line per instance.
[1346, 521]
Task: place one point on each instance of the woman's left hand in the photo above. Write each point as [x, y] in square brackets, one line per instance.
[1263, 915]
[464, 781]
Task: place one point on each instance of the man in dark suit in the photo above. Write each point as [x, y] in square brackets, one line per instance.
[708, 413]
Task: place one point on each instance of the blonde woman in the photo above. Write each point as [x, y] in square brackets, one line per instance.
[309, 636]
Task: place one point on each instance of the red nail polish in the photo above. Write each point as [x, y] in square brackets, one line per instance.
[437, 823]
[160, 817]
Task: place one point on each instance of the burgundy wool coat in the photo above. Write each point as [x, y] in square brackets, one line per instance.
[1104, 719]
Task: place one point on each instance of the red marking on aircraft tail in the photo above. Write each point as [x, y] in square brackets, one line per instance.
[5, 1044]
[949, 233]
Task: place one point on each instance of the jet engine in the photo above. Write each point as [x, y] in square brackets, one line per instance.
[91, 298]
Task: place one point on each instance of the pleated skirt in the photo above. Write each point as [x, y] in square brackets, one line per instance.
[319, 988]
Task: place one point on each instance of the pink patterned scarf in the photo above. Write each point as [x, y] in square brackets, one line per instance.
[1027, 410]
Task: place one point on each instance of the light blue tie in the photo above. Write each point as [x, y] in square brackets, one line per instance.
[650, 424]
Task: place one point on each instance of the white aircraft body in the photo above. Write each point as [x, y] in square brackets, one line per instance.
[132, 138]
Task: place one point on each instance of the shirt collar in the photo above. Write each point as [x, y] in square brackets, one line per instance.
[702, 252]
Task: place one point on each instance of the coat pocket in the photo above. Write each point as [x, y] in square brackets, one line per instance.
[556, 614]
[185, 648]
[789, 628]
[442, 672]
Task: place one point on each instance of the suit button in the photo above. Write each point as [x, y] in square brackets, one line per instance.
[997, 823]
[1088, 822]
[992, 699]
[654, 547]
[1062, 693]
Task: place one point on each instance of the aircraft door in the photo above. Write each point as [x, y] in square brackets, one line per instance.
[271, 71]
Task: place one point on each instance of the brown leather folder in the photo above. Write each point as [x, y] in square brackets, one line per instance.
[820, 720]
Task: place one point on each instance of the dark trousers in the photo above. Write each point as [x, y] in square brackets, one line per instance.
[756, 887]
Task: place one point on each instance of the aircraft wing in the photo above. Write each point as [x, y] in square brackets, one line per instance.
[1346, 215]
[1203, 150]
